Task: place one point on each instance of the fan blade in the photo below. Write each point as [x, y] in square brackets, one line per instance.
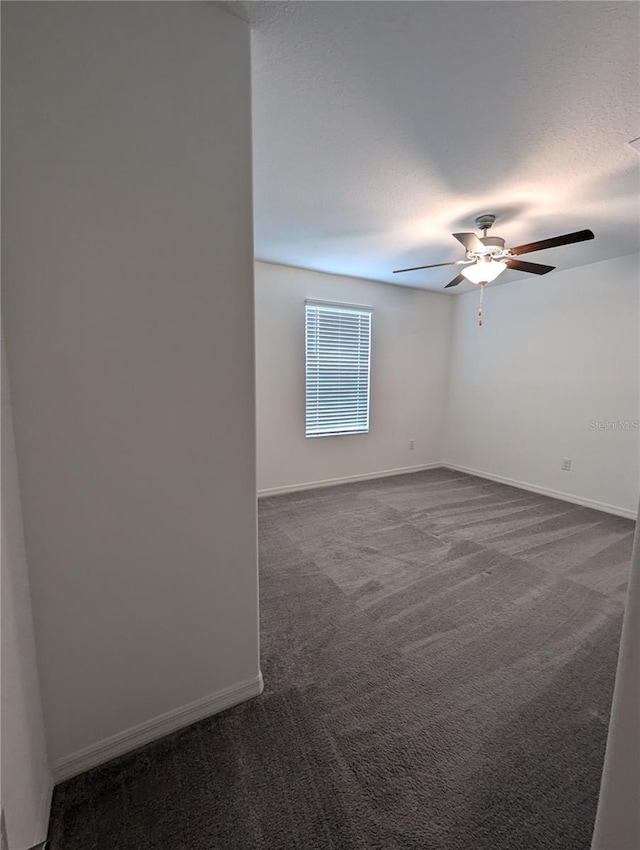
[455, 281]
[469, 240]
[532, 268]
[432, 266]
[567, 239]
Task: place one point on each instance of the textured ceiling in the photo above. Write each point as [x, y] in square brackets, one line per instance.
[382, 127]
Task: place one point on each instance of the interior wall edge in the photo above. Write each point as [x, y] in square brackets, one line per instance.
[617, 824]
[27, 779]
[44, 813]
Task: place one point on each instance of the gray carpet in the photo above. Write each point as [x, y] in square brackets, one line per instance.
[439, 654]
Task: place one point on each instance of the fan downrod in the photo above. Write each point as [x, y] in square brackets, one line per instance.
[484, 222]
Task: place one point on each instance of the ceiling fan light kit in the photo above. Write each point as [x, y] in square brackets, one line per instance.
[487, 257]
[484, 272]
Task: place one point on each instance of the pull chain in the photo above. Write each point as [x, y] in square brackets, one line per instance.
[480, 305]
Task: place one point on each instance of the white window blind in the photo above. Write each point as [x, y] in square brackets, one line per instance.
[338, 349]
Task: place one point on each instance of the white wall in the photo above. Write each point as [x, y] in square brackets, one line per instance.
[409, 339]
[128, 307]
[26, 779]
[555, 354]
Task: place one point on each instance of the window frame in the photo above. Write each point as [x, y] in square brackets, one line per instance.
[313, 432]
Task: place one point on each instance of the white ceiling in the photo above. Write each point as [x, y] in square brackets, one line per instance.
[382, 127]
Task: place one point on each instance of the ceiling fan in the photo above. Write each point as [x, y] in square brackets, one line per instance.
[486, 256]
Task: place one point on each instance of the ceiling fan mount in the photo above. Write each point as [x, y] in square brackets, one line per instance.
[484, 222]
[487, 257]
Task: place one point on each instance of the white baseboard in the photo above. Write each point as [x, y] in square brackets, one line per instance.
[546, 491]
[512, 482]
[332, 482]
[157, 727]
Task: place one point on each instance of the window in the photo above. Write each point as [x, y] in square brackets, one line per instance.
[337, 347]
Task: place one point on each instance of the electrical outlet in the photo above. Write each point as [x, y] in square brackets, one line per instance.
[412, 445]
[566, 464]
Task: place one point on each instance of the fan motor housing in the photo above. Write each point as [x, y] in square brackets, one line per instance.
[493, 242]
[493, 247]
